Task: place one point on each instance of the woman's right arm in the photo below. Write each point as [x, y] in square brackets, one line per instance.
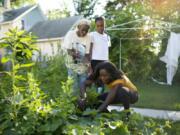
[83, 87]
[82, 99]
[109, 99]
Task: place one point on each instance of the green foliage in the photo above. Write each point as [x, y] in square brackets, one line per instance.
[135, 53]
[27, 106]
[56, 13]
[1, 3]
[139, 57]
[92, 97]
[51, 73]
[174, 130]
[137, 60]
[114, 123]
[15, 42]
[35, 113]
[85, 7]
[20, 43]
[19, 3]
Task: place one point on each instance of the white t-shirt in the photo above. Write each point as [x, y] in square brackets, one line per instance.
[71, 40]
[101, 44]
[81, 45]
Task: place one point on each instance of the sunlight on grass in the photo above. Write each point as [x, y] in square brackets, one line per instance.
[158, 96]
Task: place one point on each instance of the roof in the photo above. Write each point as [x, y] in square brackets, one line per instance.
[13, 14]
[54, 28]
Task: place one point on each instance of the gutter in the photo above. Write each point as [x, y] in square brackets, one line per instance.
[49, 39]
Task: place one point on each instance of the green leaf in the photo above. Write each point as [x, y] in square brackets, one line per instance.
[20, 33]
[18, 66]
[51, 125]
[89, 111]
[20, 77]
[27, 65]
[17, 98]
[4, 59]
[3, 45]
[73, 117]
[28, 52]
[5, 72]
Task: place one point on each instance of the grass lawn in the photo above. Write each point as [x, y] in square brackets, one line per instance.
[158, 96]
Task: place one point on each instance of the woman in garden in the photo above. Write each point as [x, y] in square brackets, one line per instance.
[77, 45]
[121, 89]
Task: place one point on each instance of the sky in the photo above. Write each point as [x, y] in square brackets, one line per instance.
[60, 4]
[55, 4]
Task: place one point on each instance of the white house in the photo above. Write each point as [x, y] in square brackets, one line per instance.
[22, 18]
[50, 33]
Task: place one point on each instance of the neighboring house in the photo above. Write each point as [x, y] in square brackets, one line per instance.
[50, 33]
[22, 18]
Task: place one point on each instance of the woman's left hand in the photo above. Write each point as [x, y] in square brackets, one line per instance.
[103, 108]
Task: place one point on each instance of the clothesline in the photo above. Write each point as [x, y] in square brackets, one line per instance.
[115, 26]
[167, 26]
[141, 38]
[136, 28]
[145, 19]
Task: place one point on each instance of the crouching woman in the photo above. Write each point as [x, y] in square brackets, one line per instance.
[121, 89]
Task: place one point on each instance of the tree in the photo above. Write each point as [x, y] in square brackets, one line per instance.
[165, 8]
[84, 7]
[1, 3]
[6, 4]
[15, 3]
[18, 3]
[137, 54]
[57, 13]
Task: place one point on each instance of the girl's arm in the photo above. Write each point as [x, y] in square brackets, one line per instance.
[82, 100]
[109, 99]
[90, 51]
[83, 87]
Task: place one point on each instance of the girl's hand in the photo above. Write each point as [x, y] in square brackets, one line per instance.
[103, 108]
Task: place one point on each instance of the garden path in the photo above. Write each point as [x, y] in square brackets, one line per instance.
[154, 113]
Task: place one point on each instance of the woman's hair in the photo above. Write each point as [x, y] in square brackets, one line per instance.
[83, 22]
[110, 68]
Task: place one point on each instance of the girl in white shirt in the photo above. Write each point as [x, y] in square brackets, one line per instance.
[99, 50]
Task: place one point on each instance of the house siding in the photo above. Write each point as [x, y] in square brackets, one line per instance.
[29, 19]
[32, 18]
[47, 49]
[4, 28]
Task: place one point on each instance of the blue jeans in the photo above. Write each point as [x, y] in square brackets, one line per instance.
[78, 80]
